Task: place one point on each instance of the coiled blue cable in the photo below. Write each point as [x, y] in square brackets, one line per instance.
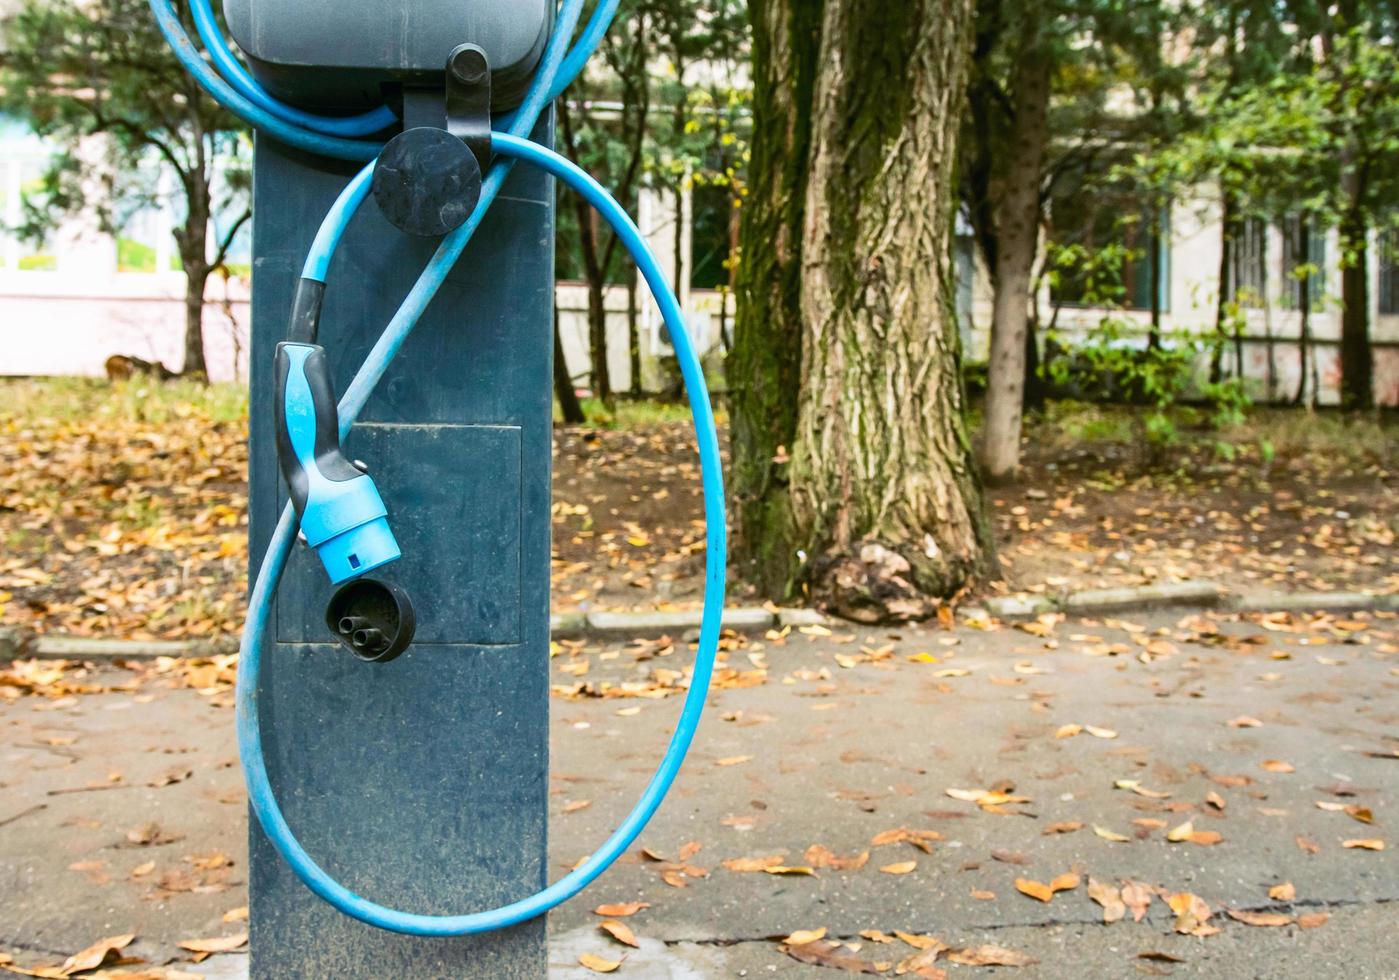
[242, 95]
[260, 792]
[366, 124]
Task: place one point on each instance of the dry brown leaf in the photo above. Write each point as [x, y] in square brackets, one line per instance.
[983, 896]
[1097, 732]
[1063, 827]
[219, 944]
[899, 867]
[1068, 731]
[830, 954]
[1109, 897]
[96, 954]
[921, 942]
[922, 965]
[1137, 897]
[1368, 844]
[597, 964]
[573, 806]
[753, 863]
[790, 869]
[1313, 920]
[620, 932]
[1308, 845]
[621, 910]
[1244, 721]
[819, 856]
[1278, 765]
[1106, 834]
[1285, 892]
[990, 956]
[1272, 919]
[1192, 914]
[240, 914]
[203, 948]
[803, 936]
[734, 760]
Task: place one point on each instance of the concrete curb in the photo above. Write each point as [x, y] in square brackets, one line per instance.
[1199, 595]
[16, 643]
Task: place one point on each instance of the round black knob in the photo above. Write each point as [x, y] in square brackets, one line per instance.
[427, 182]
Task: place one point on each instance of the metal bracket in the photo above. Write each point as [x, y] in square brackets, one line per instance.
[468, 100]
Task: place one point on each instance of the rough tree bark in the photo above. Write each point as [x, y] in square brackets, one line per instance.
[882, 507]
[1017, 214]
[764, 369]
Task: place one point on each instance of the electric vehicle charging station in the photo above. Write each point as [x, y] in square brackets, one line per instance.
[393, 680]
[425, 779]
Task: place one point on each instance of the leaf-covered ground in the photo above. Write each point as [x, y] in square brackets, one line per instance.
[123, 508]
[1201, 795]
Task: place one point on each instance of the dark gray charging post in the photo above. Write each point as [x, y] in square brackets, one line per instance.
[421, 783]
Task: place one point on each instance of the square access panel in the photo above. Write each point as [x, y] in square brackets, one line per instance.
[344, 54]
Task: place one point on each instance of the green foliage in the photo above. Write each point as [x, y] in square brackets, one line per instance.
[127, 87]
[1113, 364]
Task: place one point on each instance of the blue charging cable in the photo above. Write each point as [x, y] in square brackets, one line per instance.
[512, 145]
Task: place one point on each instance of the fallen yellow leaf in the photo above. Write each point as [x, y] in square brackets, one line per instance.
[597, 964]
[619, 932]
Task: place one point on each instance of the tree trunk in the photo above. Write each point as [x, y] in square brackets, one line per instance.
[1228, 231]
[1017, 224]
[196, 276]
[569, 405]
[1036, 391]
[764, 371]
[594, 269]
[1357, 360]
[597, 340]
[1153, 337]
[192, 241]
[633, 335]
[884, 493]
[1304, 304]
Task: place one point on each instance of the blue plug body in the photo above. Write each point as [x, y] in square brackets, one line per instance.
[342, 515]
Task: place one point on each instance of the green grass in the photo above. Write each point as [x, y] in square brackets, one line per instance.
[631, 414]
[38, 263]
[134, 256]
[1285, 431]
[137, 399]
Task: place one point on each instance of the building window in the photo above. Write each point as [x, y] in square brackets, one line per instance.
[1108, 258]
[1303, 261]
[1389, 272]
[1250, 272]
